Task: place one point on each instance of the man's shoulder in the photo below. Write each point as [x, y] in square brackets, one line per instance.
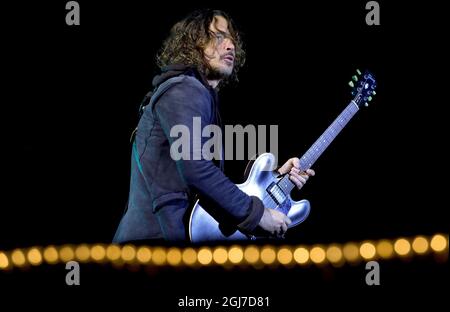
[186, 83]
[183, 89]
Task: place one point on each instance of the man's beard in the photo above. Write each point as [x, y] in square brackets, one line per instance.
[217, 74]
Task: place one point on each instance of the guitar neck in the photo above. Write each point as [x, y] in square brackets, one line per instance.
[321, 144]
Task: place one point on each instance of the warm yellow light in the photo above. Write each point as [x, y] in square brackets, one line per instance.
[268, 255]
[143, 254]
[334, 254]
[113, 253]
[317, 254]
[367, 250]
[220, 255]
[385, 249]
[235, 254]
[204, 256]
[251, 254]
[174, 256]
[98, 252]
[83, 253]
[4, 262]
[18, 258]
[351, 252]
[50, 255]
[439, 242]
[420, 245]
[159, 256]
[34, 256]
[66, 253]
[189, 256]
[284, 256]
[402, 246]
[128, 253]
[301, 255]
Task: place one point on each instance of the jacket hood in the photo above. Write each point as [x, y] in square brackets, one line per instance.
[174, 70]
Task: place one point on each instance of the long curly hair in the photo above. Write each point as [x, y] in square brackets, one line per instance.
[188, 39]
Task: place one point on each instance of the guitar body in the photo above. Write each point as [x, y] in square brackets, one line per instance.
[274, 191]
[261, 180]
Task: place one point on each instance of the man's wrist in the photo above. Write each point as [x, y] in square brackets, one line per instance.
[254, 217]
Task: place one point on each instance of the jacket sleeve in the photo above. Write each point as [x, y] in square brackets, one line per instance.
[177, 107]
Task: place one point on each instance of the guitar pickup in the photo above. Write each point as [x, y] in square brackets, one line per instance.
[276, 193]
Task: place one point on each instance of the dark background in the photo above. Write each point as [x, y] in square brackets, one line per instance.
[70, 97]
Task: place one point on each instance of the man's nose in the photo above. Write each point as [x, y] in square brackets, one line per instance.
[229, 45]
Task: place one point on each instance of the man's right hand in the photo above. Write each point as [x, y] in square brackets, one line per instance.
[274, 222]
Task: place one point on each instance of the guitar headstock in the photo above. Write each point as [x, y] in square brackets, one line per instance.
[363, 88]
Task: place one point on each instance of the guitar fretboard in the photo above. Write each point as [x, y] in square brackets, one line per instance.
[321, 144]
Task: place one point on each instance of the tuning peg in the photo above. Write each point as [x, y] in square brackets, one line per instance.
[351, 84]
[366, 104]
[355, 78]
[358, 72]
[374, 93]
[369, 98]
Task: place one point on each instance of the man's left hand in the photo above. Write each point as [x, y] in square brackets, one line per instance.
[298, 177]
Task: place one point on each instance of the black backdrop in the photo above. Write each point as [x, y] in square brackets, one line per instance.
[70, 98]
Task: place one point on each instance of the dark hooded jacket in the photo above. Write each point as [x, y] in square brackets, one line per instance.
[161, 188]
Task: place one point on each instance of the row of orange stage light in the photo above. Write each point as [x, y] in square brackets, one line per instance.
[256, 256]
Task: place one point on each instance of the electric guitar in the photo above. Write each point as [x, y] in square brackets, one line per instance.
[274, 191]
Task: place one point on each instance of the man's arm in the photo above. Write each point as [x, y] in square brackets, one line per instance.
[178, 106]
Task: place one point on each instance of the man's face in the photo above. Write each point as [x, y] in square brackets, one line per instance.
[219, 52]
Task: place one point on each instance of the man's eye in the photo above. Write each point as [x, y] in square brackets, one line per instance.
[220, 37]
